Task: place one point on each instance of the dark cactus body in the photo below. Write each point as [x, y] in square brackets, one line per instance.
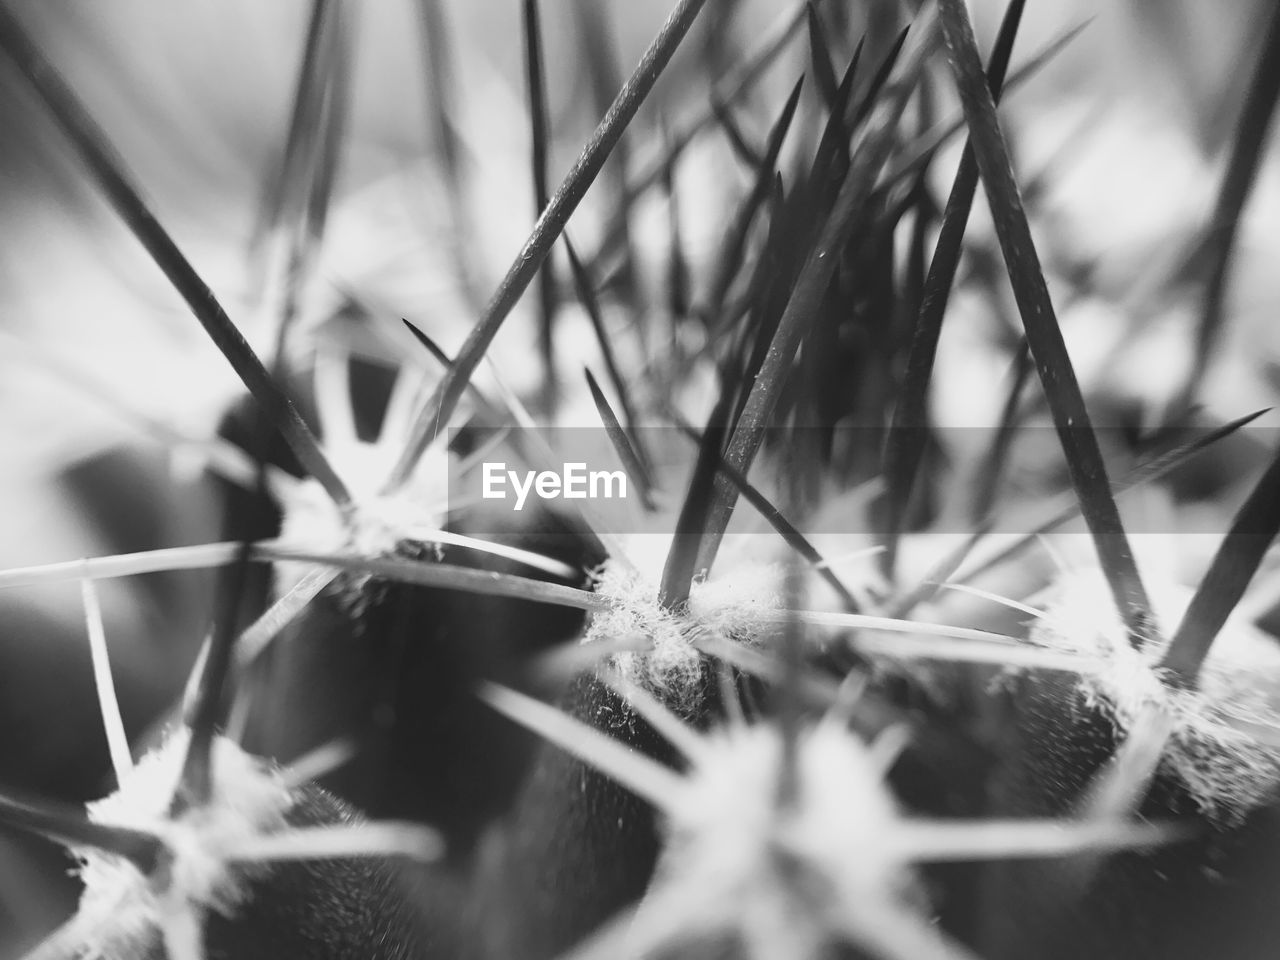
[1213, 896]
[576, 847]
[361, 908]
[397, 676]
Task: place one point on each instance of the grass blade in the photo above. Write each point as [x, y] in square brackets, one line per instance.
[831, 160]
[677, 262]
[820, 55]
[298, 202]
[775, 518]
[916, 155]
[878, 80]
[550, 225]
[1144, 473]
[591, 304]
[991, 473]
[1070, 416]
[338, 107]
[539, 129]
[428, 344]
[440, 79]
[442, 358]
[1237, 560]
[308, 235]
[108, 170]
[681, 567]
[536, 78]
[729, 261]
[304, 121]
[604, 76]
[762, 303]
[725, 92]
[630, 458]
[1242, 170]
[905, 442]
[802, 307]
[749, 156]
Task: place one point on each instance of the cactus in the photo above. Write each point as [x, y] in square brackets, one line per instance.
[826, 685]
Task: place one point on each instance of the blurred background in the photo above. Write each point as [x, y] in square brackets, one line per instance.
[1120, 142]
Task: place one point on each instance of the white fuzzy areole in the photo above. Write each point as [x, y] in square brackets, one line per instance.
[727, 834]
[1214, 750]
[730, 606]
[126, 908]
[376, 522]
